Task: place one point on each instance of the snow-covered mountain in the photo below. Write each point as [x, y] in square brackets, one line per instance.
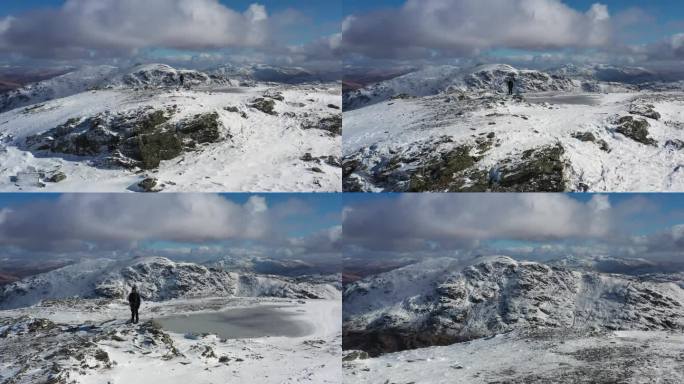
[269, 266]
[606, 72]
[197, 131]
[443, 301]
[157, 279]
[159, 75]
[446, 78]
[104, 77]
[269, 73]
[153, 75]
[65, 85]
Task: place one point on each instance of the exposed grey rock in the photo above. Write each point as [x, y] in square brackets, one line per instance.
[57, 177]
[645, 110]
[635, 129]
[675, 144]
[584, 136]
[265, 106]
[332, 125]
[137, 139]
[355, 355]
[149, 185]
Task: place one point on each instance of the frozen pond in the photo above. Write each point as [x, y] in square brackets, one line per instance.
[228, 90]
[591, 100]
[240, 323]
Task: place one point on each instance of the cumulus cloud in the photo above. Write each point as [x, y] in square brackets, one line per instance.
[417, 220]
[328, 240]
[113, 28]
[527, 225]
[76, 221]
[423, 28]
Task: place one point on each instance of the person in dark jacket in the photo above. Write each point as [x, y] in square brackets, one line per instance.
[134, 302]
[511, 84]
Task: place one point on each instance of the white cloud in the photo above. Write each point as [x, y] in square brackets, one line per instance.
[532, 226]
[81, 27]
[465, 220]
[74, 221]
[467, 27]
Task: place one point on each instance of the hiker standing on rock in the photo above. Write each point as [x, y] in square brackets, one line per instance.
[511, 84]
[134, 302]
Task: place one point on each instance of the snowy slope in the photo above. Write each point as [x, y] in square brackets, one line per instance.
[157, 279]
[68, 84]
[251, 149]
[153, 75]
[538, 142]
[537, 357]
[89, 341]
[439, 302]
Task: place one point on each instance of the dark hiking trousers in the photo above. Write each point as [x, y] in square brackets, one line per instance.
[134, 315]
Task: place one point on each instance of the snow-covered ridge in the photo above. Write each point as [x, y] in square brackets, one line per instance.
[65, 85]
[153, 75]
[437, 79]
[442, 301]
[159, 75]
[267, 73]
[157, 279]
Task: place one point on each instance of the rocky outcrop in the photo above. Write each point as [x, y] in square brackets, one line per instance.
[635, 129]
[444, 304]
[537, 170]
[161, 75]
[645, 110]
[331, 124]
[143, 138]
[441, 166]
[265, 106]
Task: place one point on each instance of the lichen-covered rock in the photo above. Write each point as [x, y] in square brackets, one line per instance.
[202, 128]
[584, 136]
[538, 170]
[635, 129]
[439, 174]
[332, 125]
[57, 177]
[89, 137]
[141, 138]
[265, 106]
[155, 147]
[355, 355]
